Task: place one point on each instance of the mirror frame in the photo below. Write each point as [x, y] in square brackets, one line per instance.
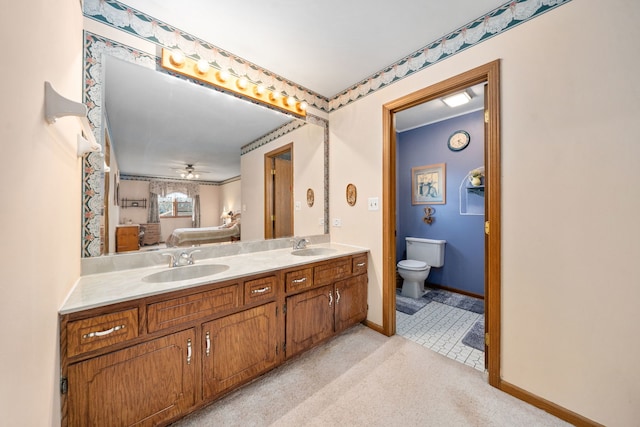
[95, 47]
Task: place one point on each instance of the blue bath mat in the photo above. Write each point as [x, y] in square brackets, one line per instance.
[453, 299]
[409, 305]
[475, 336]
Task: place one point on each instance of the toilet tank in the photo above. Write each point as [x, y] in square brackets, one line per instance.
[426, 250]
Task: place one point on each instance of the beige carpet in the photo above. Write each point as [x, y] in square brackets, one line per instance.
[362, 378]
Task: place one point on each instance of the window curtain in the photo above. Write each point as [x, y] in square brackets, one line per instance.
[195, 218]
[162, 188]
[154, 212]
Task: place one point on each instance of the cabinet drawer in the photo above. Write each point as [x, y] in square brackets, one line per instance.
[260, 289]
[175, 311]
[331, 271]
[299, 279]
[359, 264]
[101, 331]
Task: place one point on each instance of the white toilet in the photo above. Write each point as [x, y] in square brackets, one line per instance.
[422, 254]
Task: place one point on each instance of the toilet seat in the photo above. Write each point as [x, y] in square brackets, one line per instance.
[412, 264]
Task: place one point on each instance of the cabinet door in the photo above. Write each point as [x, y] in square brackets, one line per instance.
[238, 348]
[350, 301]
[309, 318]
[143, 385]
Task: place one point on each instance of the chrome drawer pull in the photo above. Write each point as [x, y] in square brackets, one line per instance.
[261, 290]
[189, 351]
[330, 298]
[103, 333]
[337, 297]
[304, 279]
[207, 339]
[360, 264]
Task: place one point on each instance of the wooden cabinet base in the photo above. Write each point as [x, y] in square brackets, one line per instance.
[124, 388]
[150, 361]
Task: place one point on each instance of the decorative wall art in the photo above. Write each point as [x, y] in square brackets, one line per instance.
[310, 197]
[352, 194]
[428, 185]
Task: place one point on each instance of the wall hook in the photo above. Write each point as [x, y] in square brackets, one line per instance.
[428, 212]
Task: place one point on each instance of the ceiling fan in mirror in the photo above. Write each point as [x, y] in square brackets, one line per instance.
[189, 172]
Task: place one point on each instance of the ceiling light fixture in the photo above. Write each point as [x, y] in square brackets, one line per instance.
[177, 62]
[457, 99]
[189, 173]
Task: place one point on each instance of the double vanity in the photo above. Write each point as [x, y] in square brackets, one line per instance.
[146, 346]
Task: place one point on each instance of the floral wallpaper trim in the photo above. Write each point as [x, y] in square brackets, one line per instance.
[509, 15]
[125, 18]
[505, 17]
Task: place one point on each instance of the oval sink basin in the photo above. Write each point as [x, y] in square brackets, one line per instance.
[185, 273]
[313, 251]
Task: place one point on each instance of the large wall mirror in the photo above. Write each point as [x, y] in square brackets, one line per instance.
[192, 155]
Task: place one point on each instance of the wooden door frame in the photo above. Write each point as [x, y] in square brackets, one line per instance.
[268, 191]
[489, 74]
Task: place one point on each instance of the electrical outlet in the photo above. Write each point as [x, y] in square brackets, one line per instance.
[298, 206]
[373, 203]
[337, 222]
[321, 221]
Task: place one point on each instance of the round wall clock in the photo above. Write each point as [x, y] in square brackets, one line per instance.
[458, 140]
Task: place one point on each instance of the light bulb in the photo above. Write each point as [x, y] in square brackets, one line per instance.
[259, 90]
[302, 106]
[291, 101]
[223, 75]
[197, 176]
[182, 175]
[177, 58]
[242, 83]
[202, 66]
[275, 95]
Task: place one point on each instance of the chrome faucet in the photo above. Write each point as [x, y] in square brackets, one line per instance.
[299, 243]
[183, 258]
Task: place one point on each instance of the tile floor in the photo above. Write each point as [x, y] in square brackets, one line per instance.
[441, 328]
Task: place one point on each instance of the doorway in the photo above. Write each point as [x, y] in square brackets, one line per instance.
[488, 74]
[278, 190]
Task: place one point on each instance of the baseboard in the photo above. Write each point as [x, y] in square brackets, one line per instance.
[547, 406]
[454, 290]
[374, 326]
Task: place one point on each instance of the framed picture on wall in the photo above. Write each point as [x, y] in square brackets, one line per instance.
[428, 185]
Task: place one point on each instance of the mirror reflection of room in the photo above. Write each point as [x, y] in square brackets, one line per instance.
[177, 154]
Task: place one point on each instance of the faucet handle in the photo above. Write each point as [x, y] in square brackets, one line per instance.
[172, 259]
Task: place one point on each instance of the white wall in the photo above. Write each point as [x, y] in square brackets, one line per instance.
[210, 208]
[308, 172]
[230, 197]
[40, 251]
[570, 157]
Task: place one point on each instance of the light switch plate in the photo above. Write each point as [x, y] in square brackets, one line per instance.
[373, 203]
[298, 206]
[337, 222]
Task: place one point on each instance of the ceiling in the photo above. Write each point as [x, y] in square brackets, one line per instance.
[325, 46]
[159, 123]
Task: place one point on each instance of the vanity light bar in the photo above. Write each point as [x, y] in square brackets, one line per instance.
[200, 70]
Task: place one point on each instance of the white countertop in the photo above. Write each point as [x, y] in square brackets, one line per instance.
[102, 289]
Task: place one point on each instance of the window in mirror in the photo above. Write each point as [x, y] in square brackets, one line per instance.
[175, 205]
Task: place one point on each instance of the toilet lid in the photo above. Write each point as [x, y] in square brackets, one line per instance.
[412, 264]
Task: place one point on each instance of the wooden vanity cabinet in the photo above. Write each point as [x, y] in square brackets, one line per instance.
[149, 361]
[238, 348]
[316, 314]
[143, 385]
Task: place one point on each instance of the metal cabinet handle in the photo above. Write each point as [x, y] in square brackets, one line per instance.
[360, 264]
[304, 279]
[207, 340]
[189, 351]
[337, 296]
[103, 333]
[330, 298]
[261, 290]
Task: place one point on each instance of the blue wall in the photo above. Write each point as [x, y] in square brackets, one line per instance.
[464, 256]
